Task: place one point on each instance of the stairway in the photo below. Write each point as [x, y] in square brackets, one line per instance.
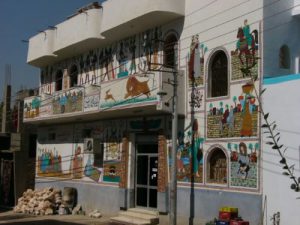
[136, 216]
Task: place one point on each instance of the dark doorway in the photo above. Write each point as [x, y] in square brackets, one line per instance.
[146, 175]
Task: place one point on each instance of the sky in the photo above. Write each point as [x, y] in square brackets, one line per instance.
[20, 20]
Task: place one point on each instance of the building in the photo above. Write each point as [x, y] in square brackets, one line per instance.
[17, 150]
[104, 107]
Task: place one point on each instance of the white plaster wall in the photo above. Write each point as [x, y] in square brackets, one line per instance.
[83, 26]
[279, 28]
[115, 13]
[41, 45]
[283, 106]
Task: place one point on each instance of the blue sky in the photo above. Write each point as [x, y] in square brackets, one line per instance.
[20, 20]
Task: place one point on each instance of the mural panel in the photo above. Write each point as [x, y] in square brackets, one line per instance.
[190, 155]
[195, 100]
[128, 91]
[244, 60]
[195, 62]
[32, 107]
[67, 102]
[91, 98]
[244, 158]
[238, 119]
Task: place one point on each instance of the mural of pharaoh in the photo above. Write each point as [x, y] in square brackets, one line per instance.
[194, 59]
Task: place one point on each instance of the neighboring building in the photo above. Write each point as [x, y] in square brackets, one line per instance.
[17, 151]
[105, 103]
[281, 80]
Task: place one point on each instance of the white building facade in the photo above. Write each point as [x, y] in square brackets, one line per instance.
[104, 107]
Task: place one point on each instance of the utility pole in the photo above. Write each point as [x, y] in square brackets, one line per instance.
[6, 100]
[173, 186]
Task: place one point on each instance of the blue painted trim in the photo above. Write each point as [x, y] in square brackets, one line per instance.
[280, 79]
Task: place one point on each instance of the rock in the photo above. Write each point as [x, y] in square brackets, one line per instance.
[49, 211]
[95, 214]
[77, 209]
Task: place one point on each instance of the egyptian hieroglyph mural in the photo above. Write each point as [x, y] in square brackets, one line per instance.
[127, 57]
[68, 101]
[91, 98]
[244, 157]
[195, 101]
[244, 59]
[237, 118]
[190, 155]
[195, 61]
[130, 90]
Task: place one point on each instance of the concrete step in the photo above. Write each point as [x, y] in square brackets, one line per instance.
[144, 211]
[129, 220]
[152, 219]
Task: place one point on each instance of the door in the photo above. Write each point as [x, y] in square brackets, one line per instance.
[146, 175]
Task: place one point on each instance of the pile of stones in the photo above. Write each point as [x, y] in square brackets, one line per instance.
[39, 202]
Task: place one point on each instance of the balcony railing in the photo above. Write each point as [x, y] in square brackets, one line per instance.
[129, 92]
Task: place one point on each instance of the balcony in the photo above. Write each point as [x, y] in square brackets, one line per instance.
[122, 19]
[79, 32]
[138, 95]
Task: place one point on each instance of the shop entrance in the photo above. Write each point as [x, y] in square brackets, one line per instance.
[146, 175]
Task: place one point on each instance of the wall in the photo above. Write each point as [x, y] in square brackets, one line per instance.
[278, 27]
[283, 108]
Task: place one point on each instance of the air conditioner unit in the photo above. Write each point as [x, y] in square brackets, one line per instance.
[88, 145]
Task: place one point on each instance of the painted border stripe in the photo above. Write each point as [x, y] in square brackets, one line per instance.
[280, 79]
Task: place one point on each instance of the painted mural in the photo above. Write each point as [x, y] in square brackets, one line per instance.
[238, 119]
[131, 90]
[91, 98]
[195, 100]
[32, 107]
[190, 155]
[77, 162]
[195, 61]
[244, 164]
[244, 58]
[90, 171]
[67, 102]
[49, 163]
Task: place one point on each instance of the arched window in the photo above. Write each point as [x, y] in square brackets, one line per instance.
[73, 76]
[58, 80]
[169, 51]
[284, 57]
[218, 75]
[217, 167]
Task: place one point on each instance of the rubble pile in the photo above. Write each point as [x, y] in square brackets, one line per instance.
[39, 202]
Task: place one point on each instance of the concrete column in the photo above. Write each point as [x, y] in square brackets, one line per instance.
[124, 201]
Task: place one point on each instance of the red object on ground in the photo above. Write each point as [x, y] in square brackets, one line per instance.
[226, 216]
[239, 222]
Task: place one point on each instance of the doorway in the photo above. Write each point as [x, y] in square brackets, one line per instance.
[146, 175]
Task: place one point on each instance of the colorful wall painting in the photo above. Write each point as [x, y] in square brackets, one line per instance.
[91, 98]
[239, 119]
[195, 61]
[131, 90]
[90, 171]
[195, 100]
[32, 107]
[49, 163]
[77, 162]
[244, 60]
[67, 102]
[244, 164]
[190, 155]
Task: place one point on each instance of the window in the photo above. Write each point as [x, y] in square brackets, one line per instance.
[217, 167]
[169, 51]
[58, 80]
[218, 75]
[73, 76]
[284, 57]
